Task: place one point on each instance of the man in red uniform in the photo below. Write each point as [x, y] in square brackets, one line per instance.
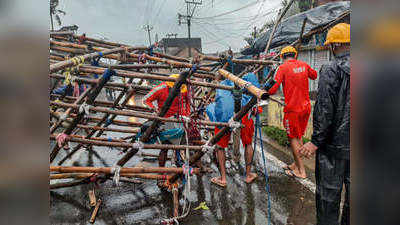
[159, 94]
[293, 75]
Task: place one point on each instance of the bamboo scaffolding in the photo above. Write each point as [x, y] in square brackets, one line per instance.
[125, 63]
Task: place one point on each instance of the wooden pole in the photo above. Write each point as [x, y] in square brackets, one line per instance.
[124, 144]
[276, 25]
[124, 170]
[259, 93]
[239, 61]
[135, 114]
[71, 62]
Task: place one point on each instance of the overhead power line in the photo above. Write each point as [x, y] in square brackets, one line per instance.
[229, 12]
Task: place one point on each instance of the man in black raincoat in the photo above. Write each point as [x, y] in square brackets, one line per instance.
[331, 131]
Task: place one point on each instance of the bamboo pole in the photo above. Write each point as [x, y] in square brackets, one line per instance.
[276, 24]
[135, 114]
[259, 93]
[174, 63]
[96, 209]
[175, 197]
[131, 74]
[68, 99]
[124, 144]
[149, 176]
[110, 84]
[71, 62]
[109, 170]
[239, 61]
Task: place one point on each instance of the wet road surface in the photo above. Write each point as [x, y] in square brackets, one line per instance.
[239, 203]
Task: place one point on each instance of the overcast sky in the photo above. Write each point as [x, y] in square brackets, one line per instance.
[123, 20]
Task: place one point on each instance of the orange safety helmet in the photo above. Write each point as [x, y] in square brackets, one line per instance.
[288, 49]
[171, 83]
[340, 33]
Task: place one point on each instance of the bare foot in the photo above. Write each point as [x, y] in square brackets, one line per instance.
[296, 173]
[218, 181]
[250, 177]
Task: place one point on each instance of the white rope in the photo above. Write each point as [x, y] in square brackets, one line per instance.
[206, 147]
[186, 191]
[139, 145]
[234, 124]
[246, 84]
[84, 108]
[115, 170]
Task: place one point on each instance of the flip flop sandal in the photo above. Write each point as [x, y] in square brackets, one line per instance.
[286, 167]
[214, 180]
[290, 173]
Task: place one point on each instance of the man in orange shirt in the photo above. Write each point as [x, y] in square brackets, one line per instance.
[293, 75]
[180, 105]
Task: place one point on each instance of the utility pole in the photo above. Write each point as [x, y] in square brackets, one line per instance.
[188, 17]
[148, 28]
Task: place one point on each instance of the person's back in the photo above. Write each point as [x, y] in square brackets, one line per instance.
[293, 75]
[337, 77]
[160, 94]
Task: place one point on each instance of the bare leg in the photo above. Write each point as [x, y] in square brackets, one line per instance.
[249, 152]
[299, 169]
[221, 162]
[293, 166]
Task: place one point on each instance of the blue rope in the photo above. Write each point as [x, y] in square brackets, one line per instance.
[150, 50]
[108, 122]
[194, 68]
[258, 126]
[107, 74]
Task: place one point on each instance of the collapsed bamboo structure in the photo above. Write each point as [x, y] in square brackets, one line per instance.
[128, 72]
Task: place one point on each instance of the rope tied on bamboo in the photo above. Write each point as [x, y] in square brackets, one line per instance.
[84, 108]
[108, 122]
[234, 124]
[187, 169]
[116, 171]
[206, 147]
[138, 145]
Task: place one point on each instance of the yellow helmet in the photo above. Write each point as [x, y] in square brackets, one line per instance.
[171, 83]
[340, 33]
[288, 49]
